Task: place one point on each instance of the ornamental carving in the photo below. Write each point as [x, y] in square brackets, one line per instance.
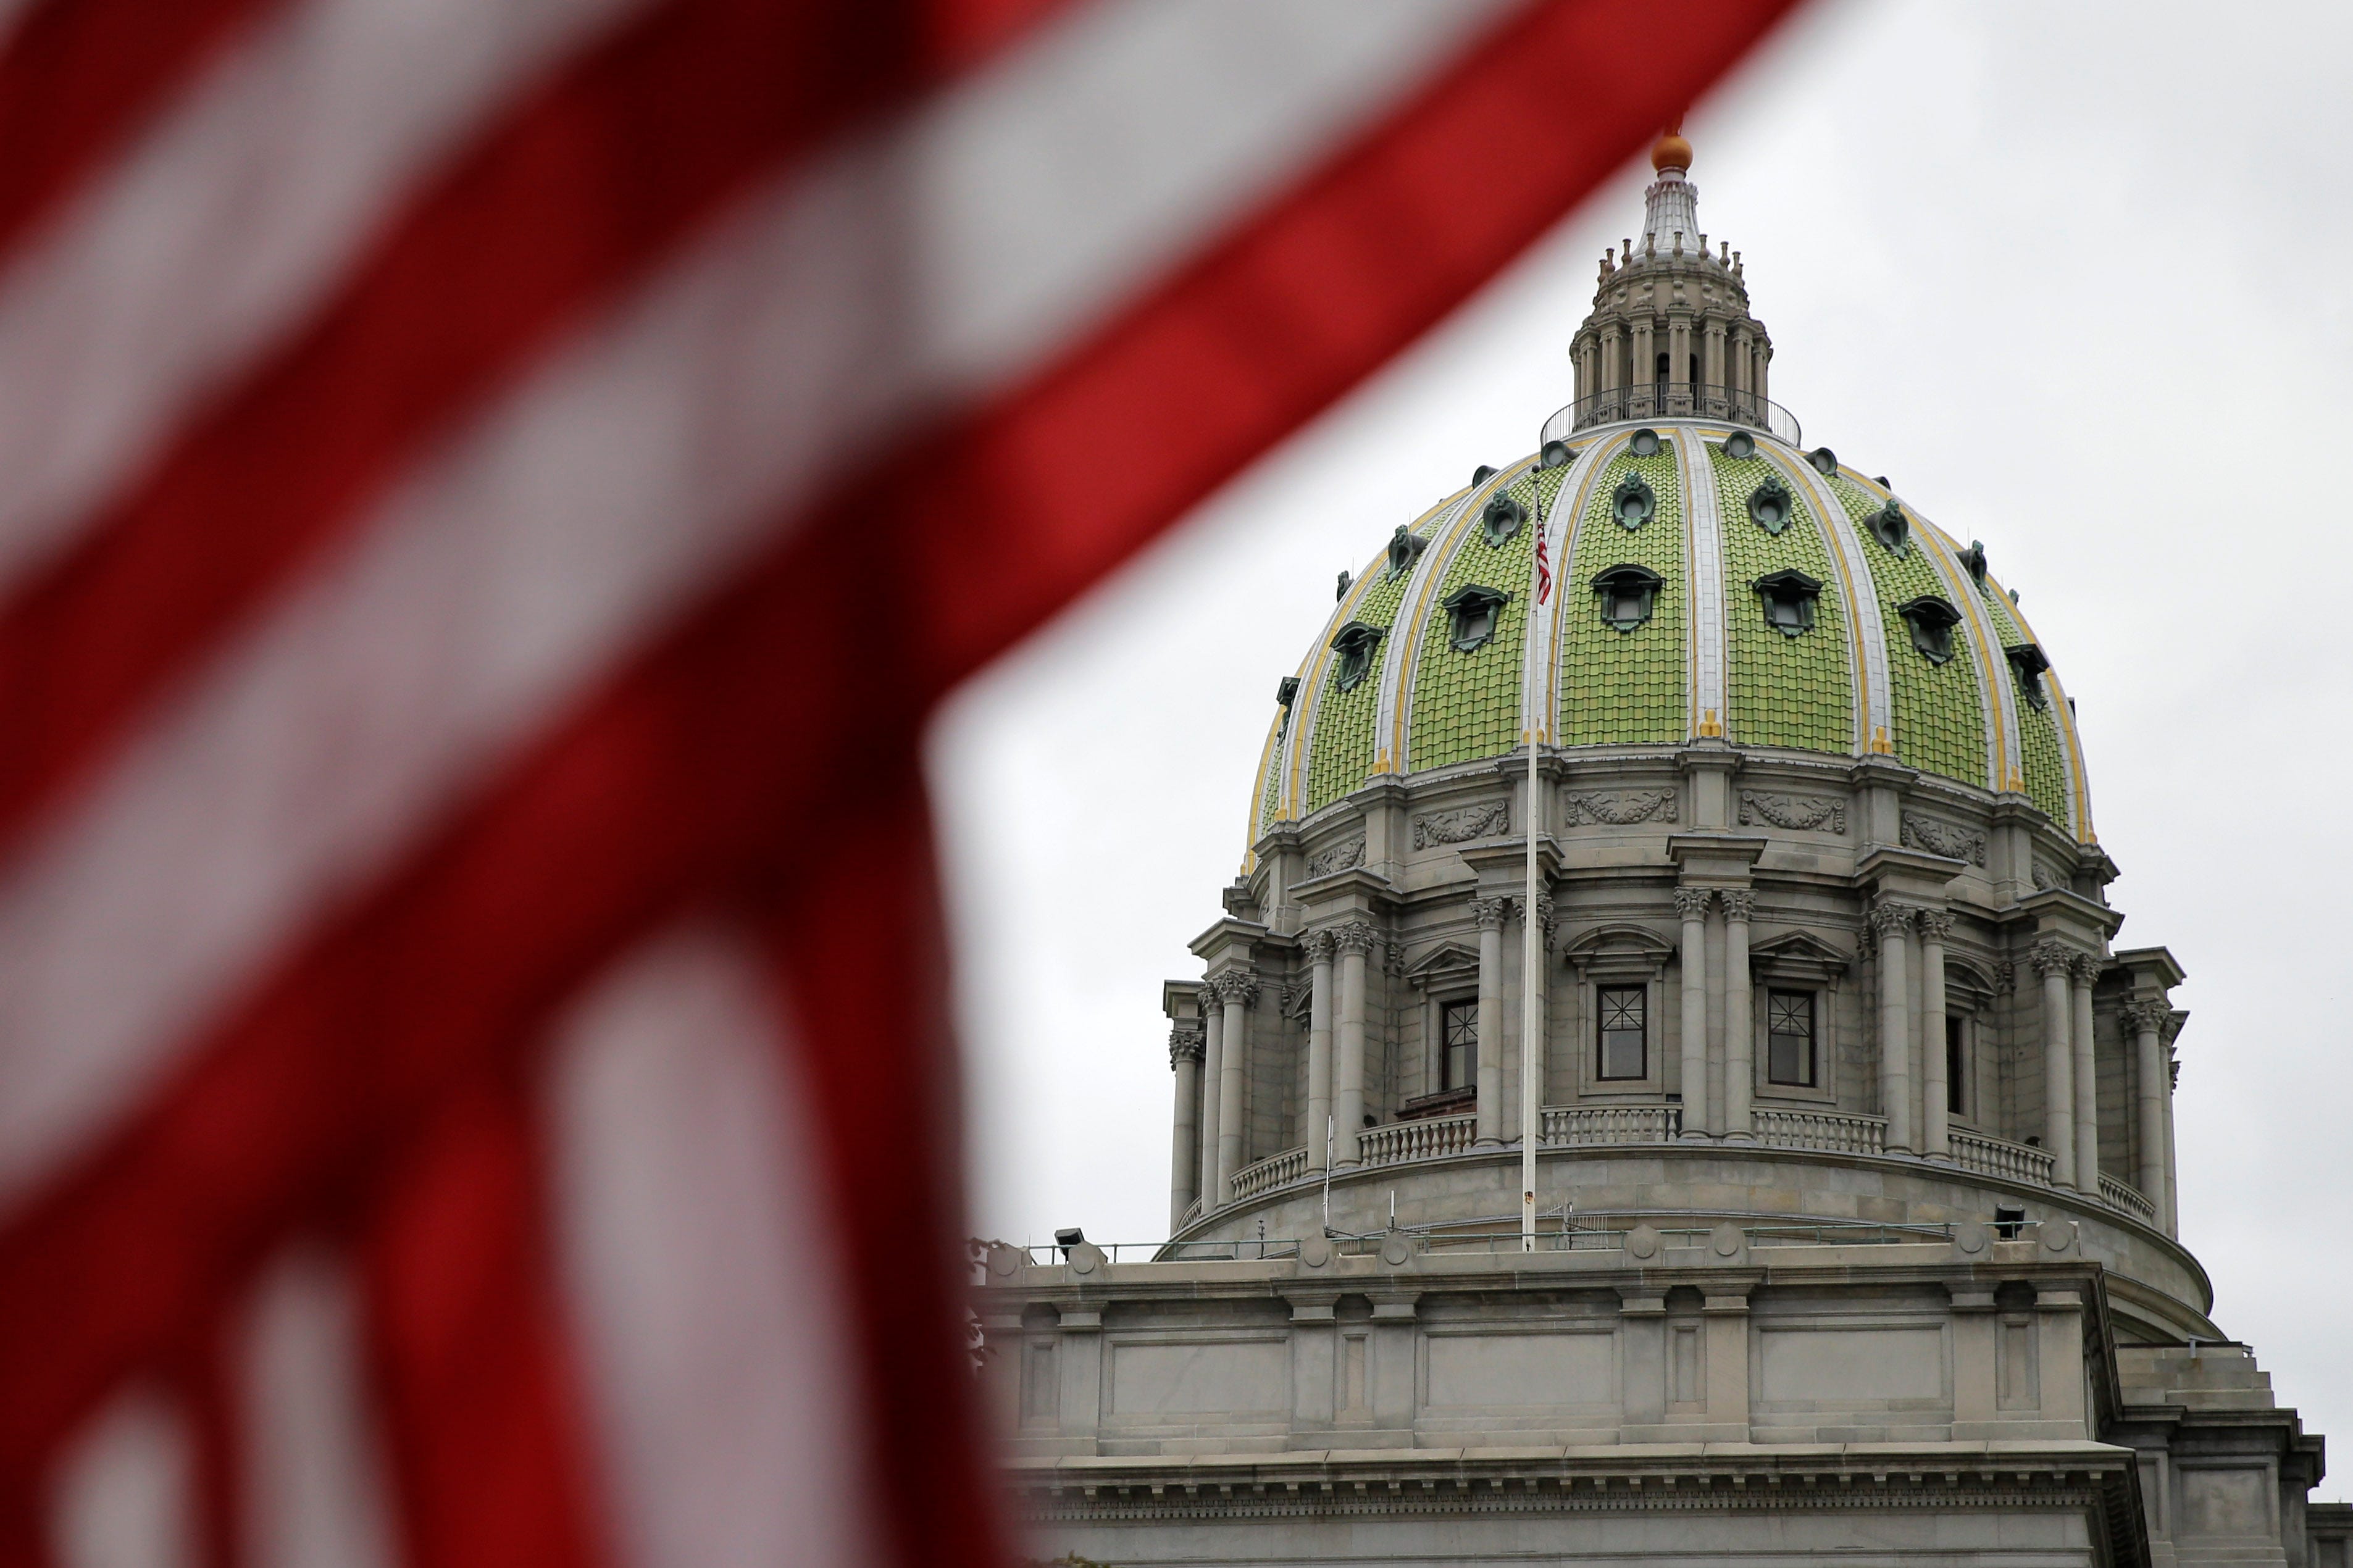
[1543, 917]
[1318, 944]
[1185, 1045]
[1235, 987]
[1892, 919]
[1739, 903]
[1355, 937]
[1935, 925]
[1690, 904]
[1461, 825]
[1491, 914]
[1620, 808]
[2052, 958]
[2088, 966]
[2005, 976]
[1795, 813]
[1944, 839]
[2147, 1017]
[1337, 858]
[2043, 876]
[1392, 960]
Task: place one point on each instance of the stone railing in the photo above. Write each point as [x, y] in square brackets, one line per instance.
[1586, 1127]
[2001, 1157]
[2128, 1198]
[1280, 1170]
[1401, 1141]
[1190, 1215]
[1833, 1130]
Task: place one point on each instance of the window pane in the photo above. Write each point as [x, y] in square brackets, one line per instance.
[1956, 1059]
[1789, 1038]
[1621, 1031]
[1459, 1060]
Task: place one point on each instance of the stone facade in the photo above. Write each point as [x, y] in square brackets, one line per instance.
[1853, 1178]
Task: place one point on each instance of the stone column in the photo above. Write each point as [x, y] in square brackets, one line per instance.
[2171, 1211]
[2084, 970]
[2146, 1020]
[2053, 960]
[1237, 988]
[1936, 1093]
[1184, 1158]
[1739, 1014]
[1690, 904]
[1540, 1037]
[1490, 914]
[1319, 1049]
[1892, 923]
[1355, 941]
[1213, 1072]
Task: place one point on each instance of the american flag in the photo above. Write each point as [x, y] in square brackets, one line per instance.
[1543, 567]
[489, 493]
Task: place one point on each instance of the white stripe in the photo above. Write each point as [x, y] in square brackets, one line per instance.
[546, 543]
[1701, 512]
[1867, 635]
[1539, 699]
[124, 1496]
[705, 1274]
[315, 1487]
[227, 223]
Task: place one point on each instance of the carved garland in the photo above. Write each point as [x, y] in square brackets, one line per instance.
[1944, 839]
[1795, 813]
[1460, 827]
[1337, 858]
[1620, 808]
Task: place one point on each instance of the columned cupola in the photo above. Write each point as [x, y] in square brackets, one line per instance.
[1671, 334]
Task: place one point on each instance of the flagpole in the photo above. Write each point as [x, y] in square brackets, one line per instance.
[1532, 950]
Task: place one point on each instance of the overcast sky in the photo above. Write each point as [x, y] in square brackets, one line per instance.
[2075, 279]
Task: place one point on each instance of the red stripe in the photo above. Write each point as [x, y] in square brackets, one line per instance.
[589, 182]
[79, 78]
[481, 1415]
[718, 752]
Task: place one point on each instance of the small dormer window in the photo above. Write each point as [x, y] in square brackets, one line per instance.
[1556, 454]
[1644, 443]
[1627, 594]
[1932, 621]
[1789, 599]
[1633, 502]
[1405, 548]
[1974, 559]
[1770, 505]
[1740, 445]
[1481, 474]
[1824, 461]
[1286, 692]
[1502, 519]
[1891, 527]
[2027, 663]
[1473, 611]
[1354, 643]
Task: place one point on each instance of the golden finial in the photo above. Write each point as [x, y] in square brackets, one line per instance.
[1672, 151]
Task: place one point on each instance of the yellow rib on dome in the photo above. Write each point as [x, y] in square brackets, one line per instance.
[2063, 719]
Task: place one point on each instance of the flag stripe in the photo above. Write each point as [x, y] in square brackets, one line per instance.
[464, 612]
[78, 78]
[187, 265]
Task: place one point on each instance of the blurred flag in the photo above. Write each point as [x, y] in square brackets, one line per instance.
[489, 495]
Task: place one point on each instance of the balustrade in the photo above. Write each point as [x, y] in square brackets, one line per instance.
[1834, 1131]
[2001, 1157]
[1427, 1140]
[1277, 1170]
[1586, 1127]
[2129, 1199]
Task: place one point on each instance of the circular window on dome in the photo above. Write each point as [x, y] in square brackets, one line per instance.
[1472, 611]
[1824, 461]
[1932, 621]
[1740, 445]
[1770, 505]
[1502, 519]
[1556, 454]
[1644, 443]
[1354, 643]
[1891, 527]
[1628, 593]
[1788, 598]
[1481, 474]
[1405, 548]
[1633, 502]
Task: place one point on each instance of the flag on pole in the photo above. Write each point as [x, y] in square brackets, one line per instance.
[489, 493]
[1544, 568]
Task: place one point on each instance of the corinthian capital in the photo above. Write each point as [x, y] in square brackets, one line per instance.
[1318, 944]
[1184, 1043]
[1739, 903]
[2147, 1017]
[1690, 904]
[2051, 958]
[1892, 919]
[2088, 966]
[1355, 937]
[1235, 985]
[1491, 914]
[1935, 925]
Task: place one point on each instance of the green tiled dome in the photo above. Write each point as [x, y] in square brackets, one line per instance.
[1864, 666]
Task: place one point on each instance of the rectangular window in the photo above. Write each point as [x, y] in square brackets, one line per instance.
[1789, 1038]
[1458, 1046]
[1623, 1034]
[1955, 1058]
